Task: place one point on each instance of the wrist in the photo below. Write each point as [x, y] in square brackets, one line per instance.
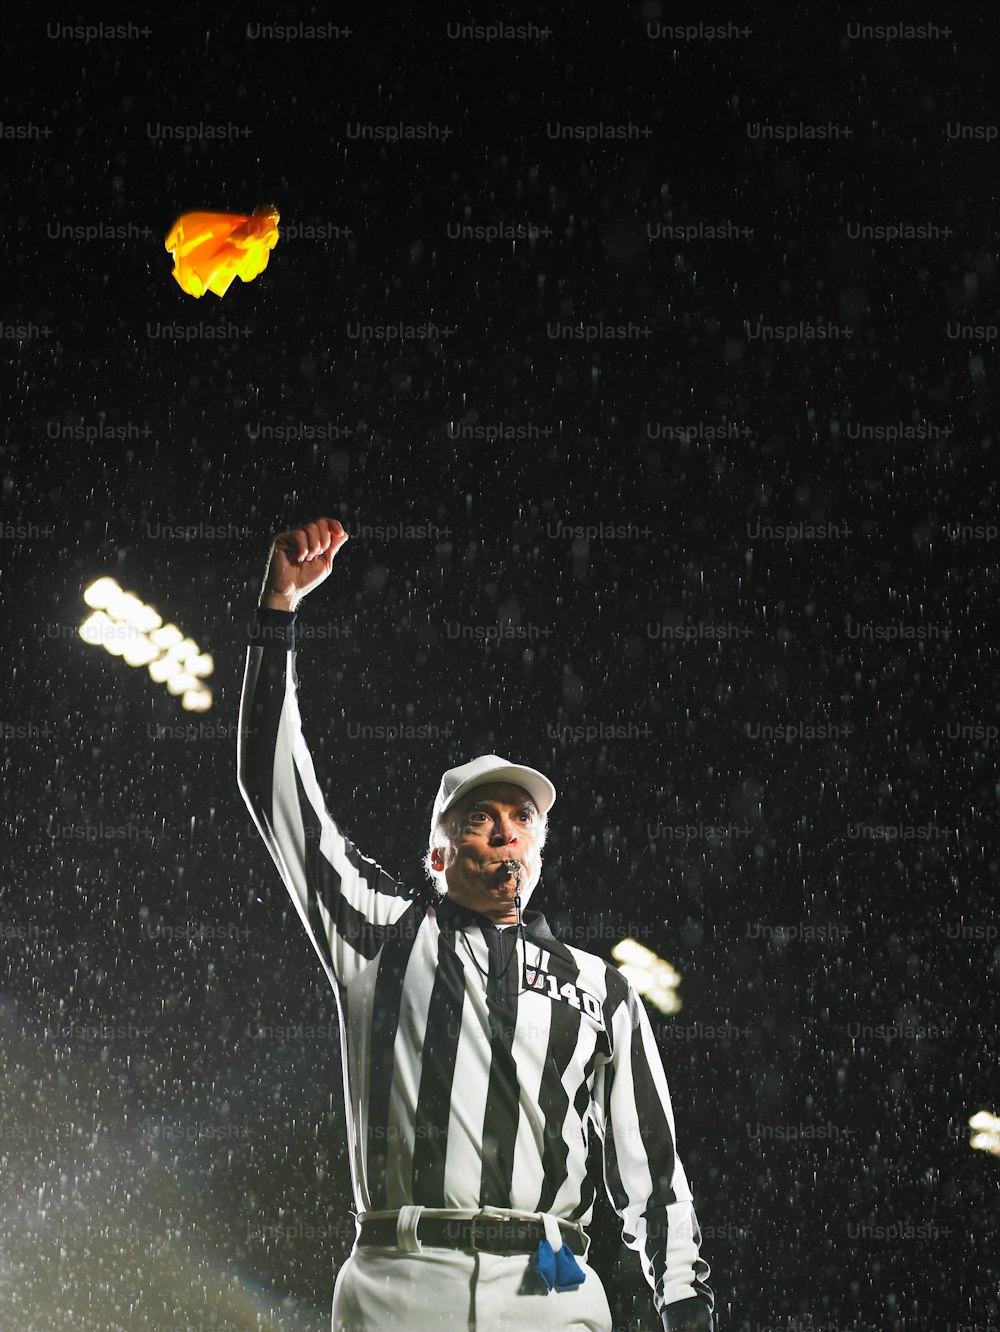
[283, 601]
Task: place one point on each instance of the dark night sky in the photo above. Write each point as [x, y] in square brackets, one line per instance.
[187, 1172]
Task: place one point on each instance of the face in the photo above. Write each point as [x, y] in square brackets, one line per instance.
[493, 823]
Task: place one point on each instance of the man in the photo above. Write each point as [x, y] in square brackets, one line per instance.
[476, 1046]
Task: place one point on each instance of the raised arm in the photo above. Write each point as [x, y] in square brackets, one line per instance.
[643, 1173]
[345, 900]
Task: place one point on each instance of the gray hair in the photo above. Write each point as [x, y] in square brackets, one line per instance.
[441, 835]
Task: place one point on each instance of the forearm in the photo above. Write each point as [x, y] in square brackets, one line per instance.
[682, 1293]
[268, 713]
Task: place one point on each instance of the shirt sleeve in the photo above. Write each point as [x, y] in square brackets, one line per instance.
[643, 1174]
[345, 900]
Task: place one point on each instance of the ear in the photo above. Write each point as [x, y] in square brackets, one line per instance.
[437, 859]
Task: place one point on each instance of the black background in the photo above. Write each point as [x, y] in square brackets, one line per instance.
[188, 1171]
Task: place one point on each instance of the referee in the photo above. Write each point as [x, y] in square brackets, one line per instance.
[476, 1046]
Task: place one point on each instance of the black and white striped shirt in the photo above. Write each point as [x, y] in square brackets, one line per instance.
[464, 1087]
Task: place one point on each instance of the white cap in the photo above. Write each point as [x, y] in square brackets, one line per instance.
[491, 768]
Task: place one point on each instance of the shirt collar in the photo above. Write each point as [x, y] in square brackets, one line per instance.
[535, 925]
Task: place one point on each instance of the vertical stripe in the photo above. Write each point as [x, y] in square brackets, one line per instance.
[612, 1171]
[409, 1065]
[654, 1123]
[463, 1165]
[439, 1054]
[392, 967]
[564, 1036]
[356, 1004]
[587, 1196]
[531, 1042]
[502, 1108]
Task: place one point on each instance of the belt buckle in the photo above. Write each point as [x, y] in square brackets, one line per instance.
[481, 1219]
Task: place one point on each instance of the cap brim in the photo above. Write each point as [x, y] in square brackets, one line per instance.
[537, 785]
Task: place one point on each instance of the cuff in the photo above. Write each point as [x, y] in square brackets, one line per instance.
[272, 626]
[692, 1315]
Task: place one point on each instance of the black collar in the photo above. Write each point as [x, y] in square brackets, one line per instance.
[535, 925]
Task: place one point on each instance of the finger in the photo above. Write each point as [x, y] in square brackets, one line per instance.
[337, 535]
[326, 535]
[312, 537]
[332, 537]
[291, 544]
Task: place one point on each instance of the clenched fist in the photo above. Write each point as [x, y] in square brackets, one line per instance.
[299, 561]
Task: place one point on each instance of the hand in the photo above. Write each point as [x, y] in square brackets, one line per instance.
[300, 560]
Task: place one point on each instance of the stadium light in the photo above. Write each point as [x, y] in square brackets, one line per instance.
[652, 977]
[987, 1135]
[126, 627]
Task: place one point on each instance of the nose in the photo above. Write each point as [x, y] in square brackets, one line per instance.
[504, 832]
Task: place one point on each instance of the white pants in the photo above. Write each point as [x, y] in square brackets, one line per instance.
[454, 1290]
